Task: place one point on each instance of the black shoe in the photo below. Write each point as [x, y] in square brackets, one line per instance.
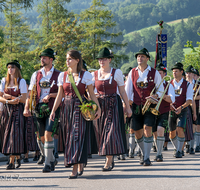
[73, 176]
[106, 169]
[191, 151]
[197, 149]
[18, 163]
[56, 155]
[154, 149]
[187, 150]
[81, 172]
[141, 159]
[178, 154]
[174, 155]
[41, 160]
[25, 160]
[159, 158]
[131, 154]
[89, 155]
[183, 154]
[46, 169]
[165, 148]
[53, 164]
[122, 157]
[35, 158]
[147, 162]
[10, 166]
[118, 157]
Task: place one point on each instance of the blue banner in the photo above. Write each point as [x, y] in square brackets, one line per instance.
[164, 48]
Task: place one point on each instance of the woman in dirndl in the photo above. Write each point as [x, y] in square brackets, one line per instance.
[110, 128]
[13, 92]
[72, 123]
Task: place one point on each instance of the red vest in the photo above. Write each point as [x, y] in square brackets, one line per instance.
[103, 86]
[54, 88]
[68, 89]
[11, 91]
[180, 100]
[141, 93]
[164, 106]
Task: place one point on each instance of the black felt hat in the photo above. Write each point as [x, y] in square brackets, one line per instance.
[105, 53]
[16, 63]
[49, 53]
[143, 51]
[177, 66]
[183, 73]
[161, 67]
[197, 72]
[190, 69]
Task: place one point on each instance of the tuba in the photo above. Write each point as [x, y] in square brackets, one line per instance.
[155, 110]
[32, 101]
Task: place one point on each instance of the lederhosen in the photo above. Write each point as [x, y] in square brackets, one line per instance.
[142, 90]
[14, 123]
[109, 128]
[162, 119]
[174, 119]
[73, 125]
[42, 116]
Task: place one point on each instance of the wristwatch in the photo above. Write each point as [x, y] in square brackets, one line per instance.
[6, 101]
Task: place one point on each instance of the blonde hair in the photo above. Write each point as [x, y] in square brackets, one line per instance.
[16, 76]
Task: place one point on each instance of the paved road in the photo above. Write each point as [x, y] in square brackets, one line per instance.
[172, 174]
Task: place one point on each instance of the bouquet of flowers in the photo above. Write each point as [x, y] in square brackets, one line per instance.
[88, 110]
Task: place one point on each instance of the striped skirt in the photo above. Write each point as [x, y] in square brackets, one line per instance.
[110, 128]
[30, 136]
[73, 127]
[189, 125]
[14, 134]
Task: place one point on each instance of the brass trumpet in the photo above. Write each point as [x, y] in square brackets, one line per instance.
[196, 84]
[148, 103]
[155, 110]
[32, 101]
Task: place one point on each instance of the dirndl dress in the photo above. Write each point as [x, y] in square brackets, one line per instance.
[189, 125]
[13, 126]
[110, 127]
[73, 125]
[30, 136]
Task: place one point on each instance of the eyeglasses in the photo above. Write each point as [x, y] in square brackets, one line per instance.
[102, 59]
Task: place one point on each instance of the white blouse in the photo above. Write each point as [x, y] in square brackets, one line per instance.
[87, 79]
[118, 77]
[22, 86]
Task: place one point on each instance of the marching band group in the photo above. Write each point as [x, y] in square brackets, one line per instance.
[148, 101]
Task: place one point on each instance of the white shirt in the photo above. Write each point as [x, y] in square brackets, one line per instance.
[189, 93]
[143, 77]
[44, 91]
[87, 79]
[22, 86]
[171, 93]
[118, 77]
[1, 106]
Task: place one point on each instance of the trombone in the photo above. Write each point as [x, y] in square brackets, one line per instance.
[148, 102]
[155, 110]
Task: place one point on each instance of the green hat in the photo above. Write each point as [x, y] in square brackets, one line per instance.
[128, 70]
[161, 67]
[177, 66]
[197, 72]
[105, 53]
[16, 63]
[49, 53]
[143, 51]
[190, 69]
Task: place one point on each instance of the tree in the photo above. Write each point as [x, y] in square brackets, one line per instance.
[175, 54]
[50, 11]
[25, 3]
[97, 24]
[16, 32]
